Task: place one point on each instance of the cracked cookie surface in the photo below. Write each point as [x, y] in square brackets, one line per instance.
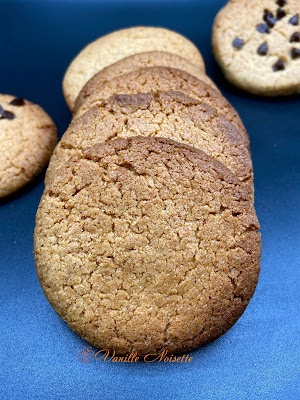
[165, 114]
[257, 45]
[157, 79]
[145, 244]
[120, 44]
[27, 139]
[137, 61]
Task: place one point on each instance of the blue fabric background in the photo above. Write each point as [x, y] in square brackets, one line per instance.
[259, 357]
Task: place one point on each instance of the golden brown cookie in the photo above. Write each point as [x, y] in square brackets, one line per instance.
[155, 79]
[141, 60]
[166, 114]
[145, 244]
[27, 138]
[117, 45]
[257, 45]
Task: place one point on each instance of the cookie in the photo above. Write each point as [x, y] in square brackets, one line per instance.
[167, 114]
[27, 139]
[257, 45]
[156, 79]
[144, 245]
[141, 60]
[117, 45]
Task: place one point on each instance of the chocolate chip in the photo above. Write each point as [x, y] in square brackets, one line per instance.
[281, 3]
[263, 28]
[263, 49]
[238, 43]
[278, 66]
[6, 114]
[295, 53]
[295, 37]
[294, 20]
[280, 13]
[17, 101]
[269, 18]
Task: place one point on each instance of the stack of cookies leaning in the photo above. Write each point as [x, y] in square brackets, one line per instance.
[146, 236]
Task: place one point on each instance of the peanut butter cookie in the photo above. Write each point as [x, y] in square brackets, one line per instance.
[166, 114]
[137, 61]
[145, 244]
[164, 79]
[117, 45]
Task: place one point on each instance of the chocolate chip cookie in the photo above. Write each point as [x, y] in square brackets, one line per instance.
[257, 45]
[27, 139]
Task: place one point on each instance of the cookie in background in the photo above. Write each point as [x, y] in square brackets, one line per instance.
[120, 44]
[27, 140]
[257, 45]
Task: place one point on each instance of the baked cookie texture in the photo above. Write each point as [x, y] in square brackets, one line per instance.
[145, 244]
[27, 139]
[117, 45]
[155, 79]
[165, 114]
[257, 45]
[137, 61]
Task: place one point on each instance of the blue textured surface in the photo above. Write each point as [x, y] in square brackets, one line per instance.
[259, 357]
